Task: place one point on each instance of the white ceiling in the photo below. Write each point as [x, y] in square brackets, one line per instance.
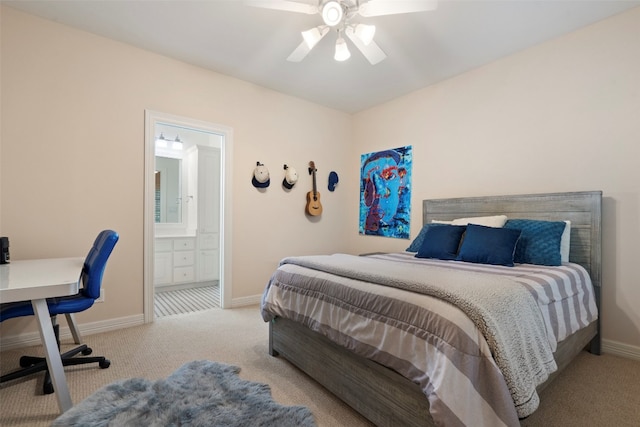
[252, 44]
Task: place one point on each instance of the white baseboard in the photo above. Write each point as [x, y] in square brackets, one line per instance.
[244, 301]
[621, 349]
[33, 338]
[28, 339]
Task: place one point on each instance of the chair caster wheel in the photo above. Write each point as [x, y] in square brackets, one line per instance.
[87, 351]
[26, 361]
[47, 389]
[104, 364]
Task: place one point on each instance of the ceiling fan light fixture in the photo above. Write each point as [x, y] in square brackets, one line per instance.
[365, 33]
[342, 51]
[314, 35]
[332, 13]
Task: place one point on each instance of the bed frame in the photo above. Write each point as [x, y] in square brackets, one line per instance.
[387, 398]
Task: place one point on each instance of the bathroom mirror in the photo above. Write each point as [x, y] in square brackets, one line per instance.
[168, 185]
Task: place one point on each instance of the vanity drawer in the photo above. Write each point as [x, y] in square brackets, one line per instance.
[183, 258]
[184, 244]
[183, 274]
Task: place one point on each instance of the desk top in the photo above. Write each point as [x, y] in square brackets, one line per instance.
[39, 278]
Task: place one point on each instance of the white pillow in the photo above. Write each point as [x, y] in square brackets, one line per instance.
[565, 242]
[488, 221]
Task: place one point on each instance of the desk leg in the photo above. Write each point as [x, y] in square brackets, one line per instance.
[54, 362]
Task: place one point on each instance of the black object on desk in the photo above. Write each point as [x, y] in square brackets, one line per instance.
[4, 250]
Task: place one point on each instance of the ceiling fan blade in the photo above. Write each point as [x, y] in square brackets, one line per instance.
[371, 51]
[310, 38]
[286, 5]
[300, 53]
[392, 7]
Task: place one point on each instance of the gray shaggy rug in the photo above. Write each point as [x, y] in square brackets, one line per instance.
[200, 393]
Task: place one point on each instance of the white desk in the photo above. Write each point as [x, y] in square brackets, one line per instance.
[36, 280]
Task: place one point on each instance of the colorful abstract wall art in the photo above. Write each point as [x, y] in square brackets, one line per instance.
[385, 193]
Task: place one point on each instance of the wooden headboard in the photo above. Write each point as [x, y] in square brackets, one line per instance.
[583, 209]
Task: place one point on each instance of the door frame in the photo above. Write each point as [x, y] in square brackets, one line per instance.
[226, 161]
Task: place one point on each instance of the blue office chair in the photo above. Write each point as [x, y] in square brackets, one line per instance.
[91, 276]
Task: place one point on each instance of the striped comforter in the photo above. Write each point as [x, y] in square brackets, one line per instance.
[399, 311]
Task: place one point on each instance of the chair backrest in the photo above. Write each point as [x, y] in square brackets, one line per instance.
[96, 262]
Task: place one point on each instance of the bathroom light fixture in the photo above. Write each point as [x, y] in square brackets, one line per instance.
[177, 143]
[162, 142]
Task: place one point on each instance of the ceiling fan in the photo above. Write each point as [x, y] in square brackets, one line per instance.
[341, 15]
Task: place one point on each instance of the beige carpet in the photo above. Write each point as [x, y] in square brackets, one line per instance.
[593, 391]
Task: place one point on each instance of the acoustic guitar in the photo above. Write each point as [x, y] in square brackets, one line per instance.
[314, 208]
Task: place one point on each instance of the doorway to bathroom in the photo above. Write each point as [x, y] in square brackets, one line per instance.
[186, 201]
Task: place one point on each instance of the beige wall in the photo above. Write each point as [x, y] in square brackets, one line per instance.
[558, 117]
[73, 156]
[562, 116]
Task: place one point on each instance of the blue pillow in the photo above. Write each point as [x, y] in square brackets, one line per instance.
[489, 245]
[441, 242]
[417, 242]
[540, 241]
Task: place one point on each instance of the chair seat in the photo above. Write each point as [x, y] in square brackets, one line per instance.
[71, 304]
[15, 309]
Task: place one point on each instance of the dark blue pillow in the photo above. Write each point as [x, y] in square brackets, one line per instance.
[417, 242]
[489, 245]
[441, 242]
[540, 241]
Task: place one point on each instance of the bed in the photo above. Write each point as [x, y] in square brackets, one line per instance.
[368, 378]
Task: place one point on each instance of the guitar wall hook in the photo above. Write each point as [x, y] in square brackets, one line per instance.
[314, 208]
